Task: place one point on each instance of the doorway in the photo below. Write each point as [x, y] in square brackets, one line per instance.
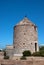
[35, 47]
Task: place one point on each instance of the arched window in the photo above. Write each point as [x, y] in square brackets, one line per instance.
[23, 43]
[35, 28]
[35, 47]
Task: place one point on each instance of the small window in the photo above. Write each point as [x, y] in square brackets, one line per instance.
[24, 33]
[23, 43]
[31, 43]
[35, 28]
[14, 46]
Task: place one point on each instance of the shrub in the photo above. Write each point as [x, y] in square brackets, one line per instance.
[27, 53]
[1, 64]
[40, 53]
[6, 57]
[36, 54]
[0, 50]
[23, 58]
[4, 53]
[41, 48]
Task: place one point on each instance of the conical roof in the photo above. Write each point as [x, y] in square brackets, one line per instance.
[25, 21]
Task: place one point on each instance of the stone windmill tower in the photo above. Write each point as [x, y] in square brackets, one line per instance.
[25, 37]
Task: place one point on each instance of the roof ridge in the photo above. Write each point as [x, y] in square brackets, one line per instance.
[25, 21]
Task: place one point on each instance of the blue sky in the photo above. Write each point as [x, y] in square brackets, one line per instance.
[13, 11]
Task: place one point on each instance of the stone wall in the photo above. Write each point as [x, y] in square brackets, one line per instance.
[31, 61]
[1, 55]
[25, 37]
[9, 50]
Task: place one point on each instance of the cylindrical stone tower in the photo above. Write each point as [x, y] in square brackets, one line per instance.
[25, 37]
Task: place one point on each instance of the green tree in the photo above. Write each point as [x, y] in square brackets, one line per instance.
[40, 53]
[26, 53]
[36, 54]
[41, 48]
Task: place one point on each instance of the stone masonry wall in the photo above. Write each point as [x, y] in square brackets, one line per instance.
[25, 37]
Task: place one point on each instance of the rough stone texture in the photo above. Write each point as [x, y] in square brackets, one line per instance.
[31, 61]
[25, 37]
[9, 50]
[1, 55]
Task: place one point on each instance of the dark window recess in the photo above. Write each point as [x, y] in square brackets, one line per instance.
[31, 43]
[32, 25]
[23, 43]
[14, 46]
[24, 33]
[35, 46]
[35, 27]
